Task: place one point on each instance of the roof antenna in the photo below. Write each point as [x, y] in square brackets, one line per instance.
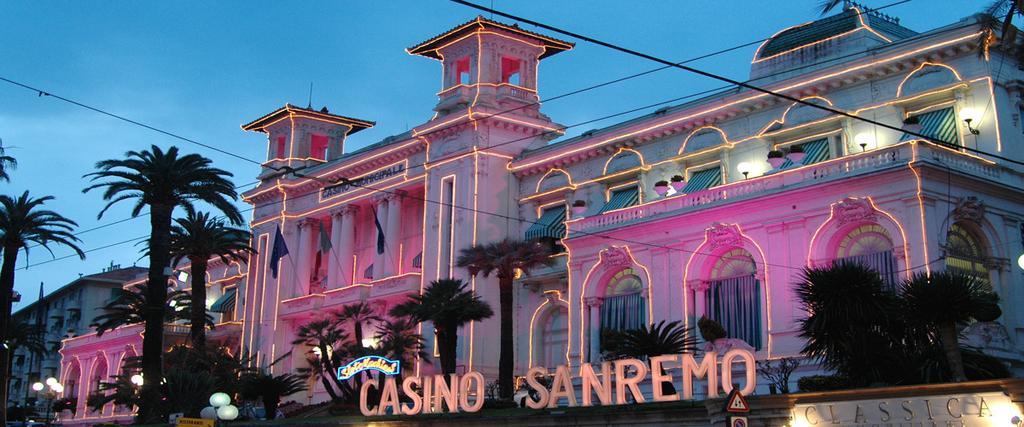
[309, 104]
[492, 10]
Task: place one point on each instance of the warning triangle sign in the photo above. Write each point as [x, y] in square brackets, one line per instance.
[736, 402]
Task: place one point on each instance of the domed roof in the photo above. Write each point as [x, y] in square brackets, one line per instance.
[849, 20]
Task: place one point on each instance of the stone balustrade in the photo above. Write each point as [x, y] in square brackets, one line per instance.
[842, 168]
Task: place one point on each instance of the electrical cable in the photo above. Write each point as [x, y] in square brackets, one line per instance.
[553, 98]
[829, 109]
[295, 171]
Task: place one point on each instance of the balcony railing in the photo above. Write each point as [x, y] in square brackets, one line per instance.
[332, 298]
[520, 93]
[835, 169]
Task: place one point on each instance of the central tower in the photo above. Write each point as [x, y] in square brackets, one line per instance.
[488, 112]
[489, 64]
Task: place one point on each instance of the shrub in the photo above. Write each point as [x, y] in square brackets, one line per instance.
[710, 329]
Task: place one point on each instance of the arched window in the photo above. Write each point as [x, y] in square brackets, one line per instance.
[623, 307]
[870, 245]
[554, 338]
[965, 252]
[734, 297]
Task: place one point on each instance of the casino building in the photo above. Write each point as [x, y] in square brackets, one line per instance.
[711, 207]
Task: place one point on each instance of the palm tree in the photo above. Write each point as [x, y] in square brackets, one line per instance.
[1007, 34]
[649, 341]
[162, 181]
[359, 313]
[24, 221]
[129, 308]
[324, 335]
[399, 341]
[448, 305]
[271, 389]
[853, 325]
[6, 163]
[199, 238]
[990, 24]
[504, 258]
[24, 335]
[944, 300]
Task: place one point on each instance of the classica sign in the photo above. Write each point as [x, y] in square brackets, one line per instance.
[961, 410]
[613, 383]
[381, 174]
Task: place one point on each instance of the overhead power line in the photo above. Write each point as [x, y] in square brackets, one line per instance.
[745, 85]
[299, 174]
[503, 112]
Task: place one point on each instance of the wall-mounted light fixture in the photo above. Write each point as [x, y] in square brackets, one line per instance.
[864, 140]
[970, 115]
[744, 168]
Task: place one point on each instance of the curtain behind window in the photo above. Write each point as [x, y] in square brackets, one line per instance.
[736, 304]
[883, 262]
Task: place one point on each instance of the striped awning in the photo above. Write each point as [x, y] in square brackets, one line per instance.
[938, 124]
[703, 180]
[815, 151]
[622, 198]
[226, 302]
[550, 224]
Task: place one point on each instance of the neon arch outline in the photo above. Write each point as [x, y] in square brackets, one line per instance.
[745, 239]
[899, 88]
[606, 274]
[568, 178]
[643, 163]
[818, 238]
[725, 137]
[533, 321]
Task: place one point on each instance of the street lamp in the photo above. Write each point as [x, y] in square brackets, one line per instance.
[220, 408]
[49, 391]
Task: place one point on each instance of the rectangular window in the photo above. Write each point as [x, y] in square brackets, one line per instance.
[814, 152]
[704, 179]
[622, 198]
[462, 72]
[510, 70]
[938, 124]
[318, 147]
[446, 220]
[280, 149]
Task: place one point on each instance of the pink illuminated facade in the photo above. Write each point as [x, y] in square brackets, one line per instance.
[726, 239]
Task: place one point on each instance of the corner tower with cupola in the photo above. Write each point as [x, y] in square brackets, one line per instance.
[488, 113]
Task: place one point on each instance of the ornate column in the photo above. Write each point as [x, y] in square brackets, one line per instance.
[394, 233]
[593, 350]
[302, 257]
[346, 220]
[334, 259]
[380, 259]
[700, 289]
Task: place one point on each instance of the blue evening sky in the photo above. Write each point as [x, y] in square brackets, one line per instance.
[200, 69]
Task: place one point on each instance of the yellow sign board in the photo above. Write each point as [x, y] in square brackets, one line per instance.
[195, 422]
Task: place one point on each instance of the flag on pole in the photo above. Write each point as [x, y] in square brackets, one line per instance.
[380, 233]
[279, 251]
[325, 241]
